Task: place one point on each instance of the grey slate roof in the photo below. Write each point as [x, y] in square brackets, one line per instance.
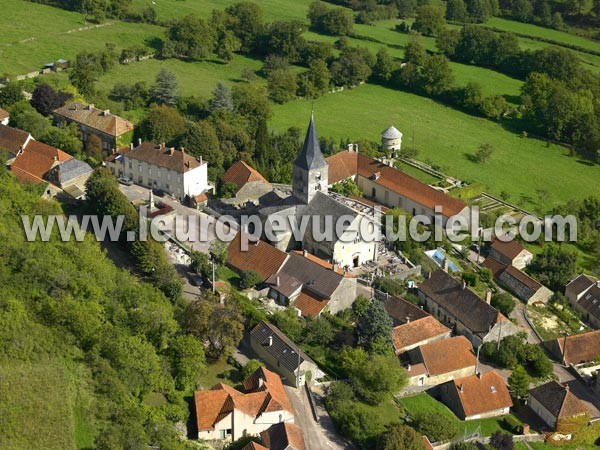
[310, 157]
[323, 205]
[558, 400]
[391, 133]
[402, 311]
[282, 348]
[314, 277]
[465, 305]
[73, 168]
[582, 283]
[590, 302]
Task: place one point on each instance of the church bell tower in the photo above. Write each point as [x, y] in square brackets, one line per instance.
[310, 172]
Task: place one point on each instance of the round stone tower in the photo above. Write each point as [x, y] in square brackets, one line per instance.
[391, 139]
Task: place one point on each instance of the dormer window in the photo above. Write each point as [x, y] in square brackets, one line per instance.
[318, 175]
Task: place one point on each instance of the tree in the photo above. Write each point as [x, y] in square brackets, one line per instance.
[464, 446]
[518, 382]
[66, 139]
[187, 361]
[503, 302]
[10, 94]
[221, 99]
[436, 75]
[282, 85]
[164, 91]
[352, 67]
[163, 125]
[415, 52]
[437, 427]
[522, 10]
[384, 66]
[479, 10]
[251, 366]
[484, 152]
[406, 8]
[200, 139]
[429, 21]
[333, 21]
[249, 279]
[501, 441]
[189, 37]
[289, 323]
[375, 324]
[251, 102]
[200, 263]
[456, 11]
[220, 325]
[247, 24]
[285, 39]
[314, 82]
[24, 117]
[400, 437]
[554, 266]
[226, 41]
[318, 331]
[85, 70]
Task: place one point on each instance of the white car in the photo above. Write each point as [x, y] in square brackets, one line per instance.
[125, 181]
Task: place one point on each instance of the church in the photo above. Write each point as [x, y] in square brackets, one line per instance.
[311, 198]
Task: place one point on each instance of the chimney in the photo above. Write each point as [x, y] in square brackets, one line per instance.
[112, 150]
[304, 253]
[350, 147]
[277, 280]
[460, 388]
[408, 368]
[106, 112]
[200, 159]
[182, 149]
[336, 267]
[479, 375]
[445, 264]
[171, 151]
[488, 296]
[131, 146]
[598, 283]
[270, 341]
[139, 141]
[567, 387]
[90, 106]
[356, 148]
[464, 285]
[261, 382]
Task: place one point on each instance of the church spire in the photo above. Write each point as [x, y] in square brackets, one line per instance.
[310, 156]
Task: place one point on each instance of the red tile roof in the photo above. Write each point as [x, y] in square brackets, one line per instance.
[241, 173]
[283, 436]
[558, 400]
[215, 404]
[309, 305]
[321, 262]
[261, 257]
[510, 249]
[13, 139]
[447, 355]
[481, 394]
[33, 162]
[95, 118]
[254, 446]
[420, 330]
[161, 156]
[343, 165]
[498, 268]
[580, 347]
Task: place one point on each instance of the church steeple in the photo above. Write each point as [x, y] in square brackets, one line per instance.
[310, 171]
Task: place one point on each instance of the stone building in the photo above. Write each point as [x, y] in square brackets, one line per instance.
[583, 294]
[250, 185]
[310, 170]
[419, 332]
[555, 403]
[510, 253]
[391, 139]
[157, 167]
[456, 306]
[576, 349]
[440, 361]
[477, 396]
[113, 131]
[226, 414]
[282, 355]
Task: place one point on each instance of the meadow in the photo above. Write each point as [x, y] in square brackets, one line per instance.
[447, 138]
[53, 33]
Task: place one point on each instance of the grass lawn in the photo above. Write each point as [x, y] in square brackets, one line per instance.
[272, 9]
[52, 33]
[416, 173]
[445, 136]
[426, 403]
[37, 407]
[219, 372]
[195, 78]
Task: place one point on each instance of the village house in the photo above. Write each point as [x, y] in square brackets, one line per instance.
[311, 285]
[282, 355]
[310, 199]
[459, 308]
[113, 131]
[260, 257]
[583, 294]
[510, 253]
[282, 436]
[250, 185]
[518, 283]
[576, 349]
[402, 311]
[167, 169]
[440, 361]
[224, 413]
[391, 187]
[555, 404]
[477, 396]
[32, 161]
[419, 332]
[4, 117]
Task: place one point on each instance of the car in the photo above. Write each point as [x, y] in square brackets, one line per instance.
[158, 192]
[126, 181]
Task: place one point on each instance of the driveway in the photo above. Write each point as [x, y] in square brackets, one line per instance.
[519, 315]
[317, 435]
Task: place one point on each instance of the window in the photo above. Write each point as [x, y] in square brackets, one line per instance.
[168, 176]
[222, 434]
[130, 165]
[140, 179]
[373, 192]
[168, 186]
[149, 170]
[158, 174]
[140, 168]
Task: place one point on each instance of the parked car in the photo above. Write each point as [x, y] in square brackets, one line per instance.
[158, 192]
[125, 181]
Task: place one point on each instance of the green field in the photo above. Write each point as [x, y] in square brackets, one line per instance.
[52, 33]
[37, 404]
[426, 403]
[447, 137]
[273, 9]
